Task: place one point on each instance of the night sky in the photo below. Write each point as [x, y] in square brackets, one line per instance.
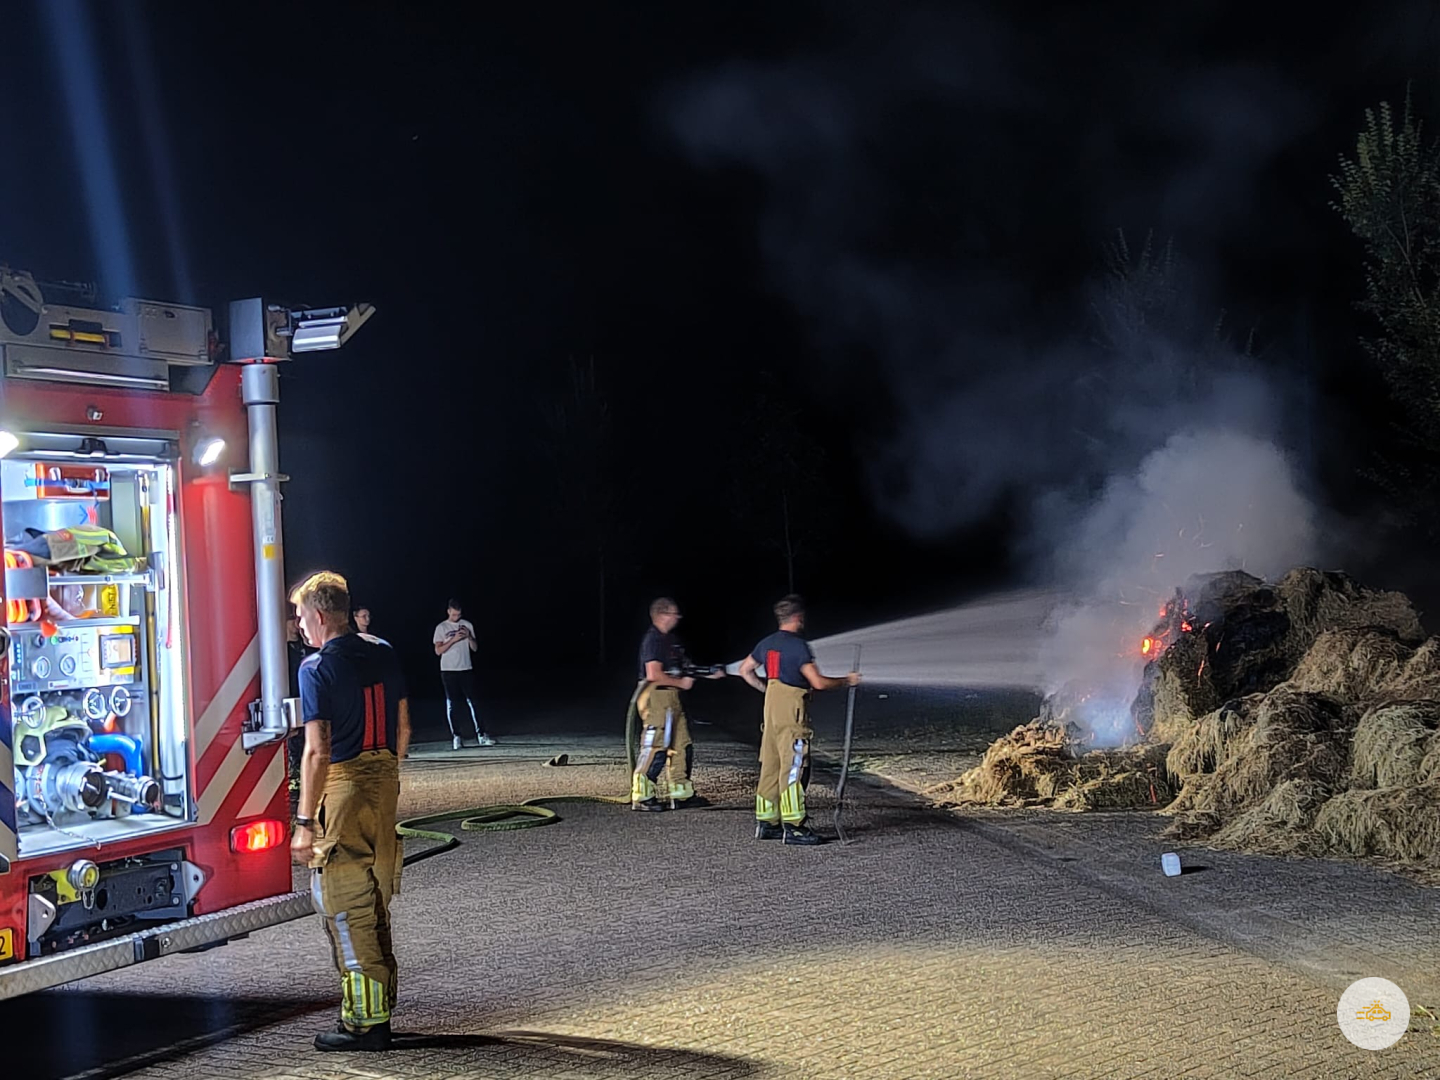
[874, 229]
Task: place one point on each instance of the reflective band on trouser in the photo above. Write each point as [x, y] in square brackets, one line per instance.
[784, 755]
[766, 811]
[364, 1003]
[681, 789]
[659, 708]
[356, 871]
[792, 797]
[641, 789]
[648, 764]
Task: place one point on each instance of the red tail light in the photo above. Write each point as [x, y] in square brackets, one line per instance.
[257, 836]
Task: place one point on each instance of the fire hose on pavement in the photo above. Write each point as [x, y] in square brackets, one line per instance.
[529, 814]
[500, 817]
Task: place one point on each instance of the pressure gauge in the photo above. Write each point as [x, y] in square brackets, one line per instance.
[67, 666]
[41, 667]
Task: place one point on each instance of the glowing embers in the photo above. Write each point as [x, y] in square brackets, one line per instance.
[1175, 619]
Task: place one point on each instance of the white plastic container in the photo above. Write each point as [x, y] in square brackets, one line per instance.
[1170, 863]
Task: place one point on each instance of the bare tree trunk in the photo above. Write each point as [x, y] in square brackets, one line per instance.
[789, 548]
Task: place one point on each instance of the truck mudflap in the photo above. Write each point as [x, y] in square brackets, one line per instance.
[151, 944]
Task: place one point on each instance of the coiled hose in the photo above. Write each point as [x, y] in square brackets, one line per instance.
[19, 611]
[501, 817]
[506, 817]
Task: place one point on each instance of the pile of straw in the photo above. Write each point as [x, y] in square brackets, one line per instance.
[1047, 764]
[1299, 718]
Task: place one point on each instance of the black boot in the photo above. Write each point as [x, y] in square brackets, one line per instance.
[768, 830]
[649, 804]
[342, 1038]
[799, 834]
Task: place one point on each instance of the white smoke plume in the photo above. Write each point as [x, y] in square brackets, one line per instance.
[1205, 501]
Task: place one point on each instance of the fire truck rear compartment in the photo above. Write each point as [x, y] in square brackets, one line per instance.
[96, 666]
[85, 903]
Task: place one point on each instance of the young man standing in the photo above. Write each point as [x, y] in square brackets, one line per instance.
[454, 642]
[665, 735]
[791, 675]
[361, 618]
[357, 728]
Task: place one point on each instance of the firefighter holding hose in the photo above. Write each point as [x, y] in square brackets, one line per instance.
[785, 734]
[665, 735]
[357, 728]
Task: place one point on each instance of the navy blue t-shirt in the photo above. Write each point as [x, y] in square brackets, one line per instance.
[357, 686]
[663, 647]
[782, 655]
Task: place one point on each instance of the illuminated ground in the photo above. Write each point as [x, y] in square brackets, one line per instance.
[624, 945]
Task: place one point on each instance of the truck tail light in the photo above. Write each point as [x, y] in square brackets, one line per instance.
[257, 836]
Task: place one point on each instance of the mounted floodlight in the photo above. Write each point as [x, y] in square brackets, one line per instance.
[208, 451]
[326, 328]
[266, 331]
[8, 442]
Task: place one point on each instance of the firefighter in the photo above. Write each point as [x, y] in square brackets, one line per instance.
[665, 734]
[357, 727]
[785, 734]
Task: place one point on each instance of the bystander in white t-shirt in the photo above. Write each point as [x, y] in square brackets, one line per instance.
[458, 657]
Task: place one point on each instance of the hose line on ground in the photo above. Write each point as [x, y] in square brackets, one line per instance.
[501, 817]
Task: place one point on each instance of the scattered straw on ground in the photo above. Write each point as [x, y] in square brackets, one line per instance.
[1043, 764]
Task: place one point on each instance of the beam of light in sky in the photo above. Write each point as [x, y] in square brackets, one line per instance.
[152, 127]
[77, 62]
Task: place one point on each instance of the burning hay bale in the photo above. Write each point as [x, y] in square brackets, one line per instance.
[1241, 636]
[1299, 718]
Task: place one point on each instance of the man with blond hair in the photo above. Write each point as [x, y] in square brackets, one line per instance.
[357, 728]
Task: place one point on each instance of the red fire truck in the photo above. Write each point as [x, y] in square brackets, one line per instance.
[144, 699]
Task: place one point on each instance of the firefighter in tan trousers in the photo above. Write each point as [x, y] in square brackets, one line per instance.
[666, 754]
[357, 728]
[790, 676]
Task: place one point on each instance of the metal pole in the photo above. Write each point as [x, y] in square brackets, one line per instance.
[260, 390]
[849, 732]
[845, 754]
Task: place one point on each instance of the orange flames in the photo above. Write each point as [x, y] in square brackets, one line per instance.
[1174, 621]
